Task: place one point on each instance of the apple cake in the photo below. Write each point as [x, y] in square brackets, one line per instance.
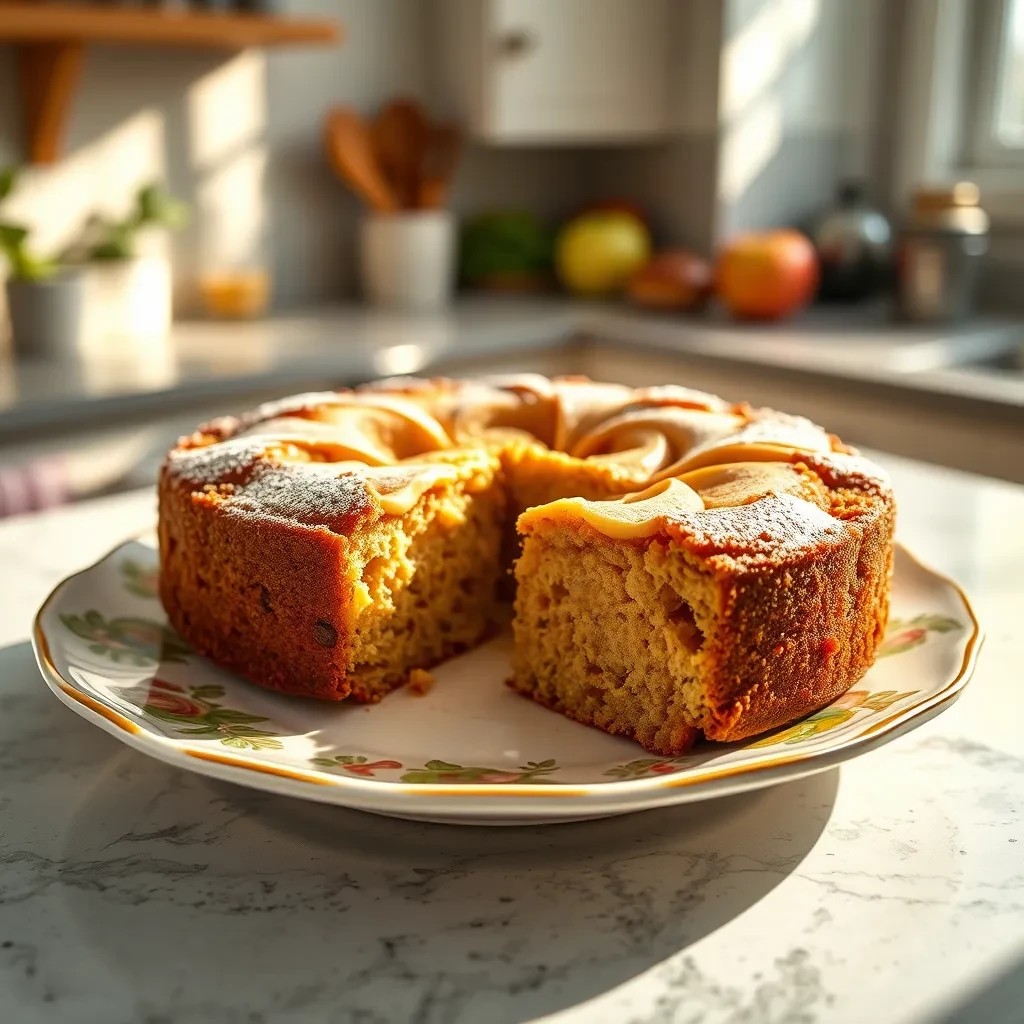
[684, 566]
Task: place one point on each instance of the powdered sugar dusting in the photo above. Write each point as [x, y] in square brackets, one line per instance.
[341, 477]
[775, 528]
[232, 461]
[301, 494]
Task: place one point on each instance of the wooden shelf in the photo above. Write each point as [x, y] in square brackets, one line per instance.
[42, 22]
[51, 39]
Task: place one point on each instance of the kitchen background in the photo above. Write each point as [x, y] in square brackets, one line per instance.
[590, 137]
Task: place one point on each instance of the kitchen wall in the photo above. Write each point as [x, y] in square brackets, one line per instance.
[239, 137]
[772, 101]
[796, 106]
[777, 101]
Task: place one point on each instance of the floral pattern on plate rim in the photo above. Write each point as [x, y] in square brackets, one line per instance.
[906, 634]
[195, 711]
[140, 580]
[437, 772]
[129, 638]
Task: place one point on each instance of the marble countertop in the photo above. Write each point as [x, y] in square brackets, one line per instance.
[889, 890]
[207, 360]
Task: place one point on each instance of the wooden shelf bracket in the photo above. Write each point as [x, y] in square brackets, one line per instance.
[49, 73]
[51, 39]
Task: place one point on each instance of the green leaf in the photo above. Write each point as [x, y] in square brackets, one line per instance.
[255, 743]
[443, 766]
[171, 716]
[884, 699]
[8, 179]
[243, 730]
[12, 236]
[207, 692]
[24, 265]
[116, 243]
[155, 206]
[324, 762]
[226, 716]
[941, 623]
[267, 744]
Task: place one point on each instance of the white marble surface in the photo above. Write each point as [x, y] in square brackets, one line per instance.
[891, 890]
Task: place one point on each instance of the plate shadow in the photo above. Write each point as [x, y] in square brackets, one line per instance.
[209, 900]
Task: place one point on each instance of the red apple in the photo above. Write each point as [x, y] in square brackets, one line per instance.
[767, 276]
[671, 279]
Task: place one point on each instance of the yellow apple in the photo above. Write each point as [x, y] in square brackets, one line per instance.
[596, 253]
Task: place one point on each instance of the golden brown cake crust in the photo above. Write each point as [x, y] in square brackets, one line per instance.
[799, 594]
[257, 595]
[267, 523]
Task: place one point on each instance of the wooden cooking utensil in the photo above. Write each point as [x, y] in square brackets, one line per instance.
[399, 135]
[440, 157]
[350, 153]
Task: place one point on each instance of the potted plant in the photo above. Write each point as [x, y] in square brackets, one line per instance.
[128, 291]
[44, 299]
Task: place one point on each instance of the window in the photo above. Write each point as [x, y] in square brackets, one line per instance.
[959, 101]
[1009, 119]
[996, 118]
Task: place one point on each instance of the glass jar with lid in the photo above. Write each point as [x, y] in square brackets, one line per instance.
[942, 249]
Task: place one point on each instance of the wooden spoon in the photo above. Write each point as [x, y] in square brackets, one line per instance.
[350, 154]
[440, 157]
[399, 136]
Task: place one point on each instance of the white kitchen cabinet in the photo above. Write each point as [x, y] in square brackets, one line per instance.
[557, 71]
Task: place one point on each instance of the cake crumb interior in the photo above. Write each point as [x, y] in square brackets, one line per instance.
[432, 577]
[614, 634]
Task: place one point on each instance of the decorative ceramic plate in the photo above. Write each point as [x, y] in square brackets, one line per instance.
[468, 750]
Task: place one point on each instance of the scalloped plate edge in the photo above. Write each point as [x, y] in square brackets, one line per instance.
[505, 803]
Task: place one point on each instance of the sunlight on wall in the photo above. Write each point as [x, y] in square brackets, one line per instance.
[227, 140]
[748, 146]
[101, 176]
[755, 57]
[751, 108]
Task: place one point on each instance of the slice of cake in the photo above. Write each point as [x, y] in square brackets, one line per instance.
[329, 579]
[722, 603]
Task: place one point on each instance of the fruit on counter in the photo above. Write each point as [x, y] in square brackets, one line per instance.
[672, 279]
[506, 250]
[598, 252]
[767, 276]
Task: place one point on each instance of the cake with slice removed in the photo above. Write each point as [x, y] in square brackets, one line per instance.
[688, 566]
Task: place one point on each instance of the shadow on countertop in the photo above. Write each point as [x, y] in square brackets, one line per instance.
[172, 897]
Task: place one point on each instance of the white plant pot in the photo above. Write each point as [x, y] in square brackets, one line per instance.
[128, 300]
[407, 260]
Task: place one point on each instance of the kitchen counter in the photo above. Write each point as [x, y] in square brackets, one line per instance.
[888, 890]
[206, 360]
